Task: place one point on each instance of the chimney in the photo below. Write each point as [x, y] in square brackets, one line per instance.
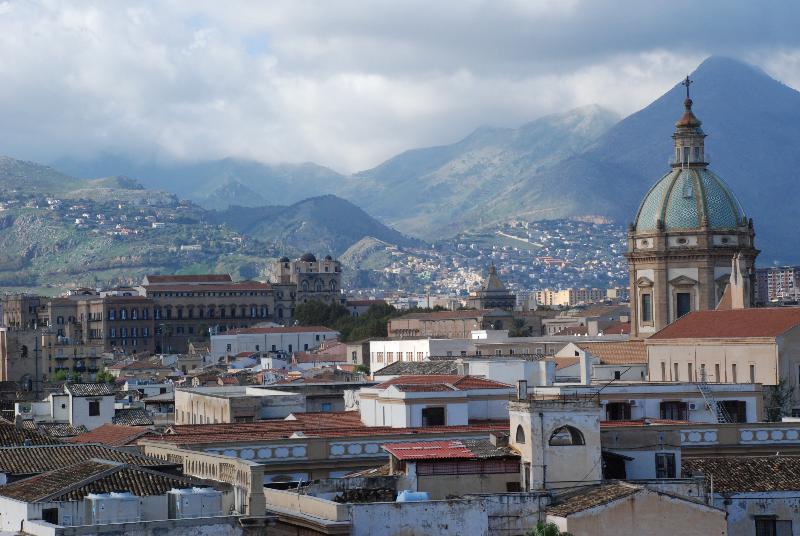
[522, 390]
[585, 365]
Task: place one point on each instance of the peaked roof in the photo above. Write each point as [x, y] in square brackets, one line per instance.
[492, 282]
[89, 389]
[443, 382]
[75, 482]
[398, 368]
[747, 473]
[616, 353]
[112, 435]
[591, 498]
[735, 323]
[39, 459]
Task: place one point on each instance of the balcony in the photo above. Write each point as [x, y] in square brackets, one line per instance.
[61, 357]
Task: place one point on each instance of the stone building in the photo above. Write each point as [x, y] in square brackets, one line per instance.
[492, 294]
[309, 279]
[687, 230]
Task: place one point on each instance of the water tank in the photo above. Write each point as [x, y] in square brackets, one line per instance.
[108, 508]
[412, 496]
[194, 502]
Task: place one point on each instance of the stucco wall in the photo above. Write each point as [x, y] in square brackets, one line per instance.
[742, 507]
[648, 513]
[457, 518]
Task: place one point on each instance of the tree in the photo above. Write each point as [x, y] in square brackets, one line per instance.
[518, 329]
[546, 529]
[778, 400]
[105, 377]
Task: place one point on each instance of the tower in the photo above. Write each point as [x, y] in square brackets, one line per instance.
[687, 230]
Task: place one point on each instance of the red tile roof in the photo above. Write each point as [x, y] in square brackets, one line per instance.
[430, 382]
[617, 328]
[616, 353]
[453, 449]
[324, 424]
[307, 357]
[738, 323]
[229, 287]
[282, 329]
[112, 435]
[641, 422]
[446, 315]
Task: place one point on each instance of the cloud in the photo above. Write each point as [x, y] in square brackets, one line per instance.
[346, 84]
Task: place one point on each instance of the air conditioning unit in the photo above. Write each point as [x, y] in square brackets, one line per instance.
[692, 406]
[631, 402]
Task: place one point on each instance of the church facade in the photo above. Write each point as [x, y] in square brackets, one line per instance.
[689, 237]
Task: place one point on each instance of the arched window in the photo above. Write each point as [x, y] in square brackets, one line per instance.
[333, 286]
[566, 435]
[520, 437]
[305, 286]
[319, 286]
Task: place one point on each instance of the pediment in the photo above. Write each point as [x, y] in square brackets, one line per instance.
[682, 281]
[644, 282]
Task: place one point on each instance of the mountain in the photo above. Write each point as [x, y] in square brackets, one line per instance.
[217, 183]
[320, 224]
[34, 178]
[424, 191]
[753, 127]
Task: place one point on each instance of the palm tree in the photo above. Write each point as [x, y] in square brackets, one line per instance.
[546, 529]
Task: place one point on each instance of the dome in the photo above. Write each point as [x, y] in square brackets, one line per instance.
[328, 258]
[284, 259]
[308, 257]
[684, 198]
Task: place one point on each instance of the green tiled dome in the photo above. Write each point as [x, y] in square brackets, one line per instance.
[683, 197]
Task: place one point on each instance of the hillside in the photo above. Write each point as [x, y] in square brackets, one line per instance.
[217, 184]
[423, 191]
[34, 178]
[323, 224]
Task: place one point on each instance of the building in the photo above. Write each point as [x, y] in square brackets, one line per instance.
[449, 324]
[307, 279]
[569, 297]
[277, 339]
[422, 401]
[492, 294]
[777, 284]
[736, 346]
[231, 404]
[687, 230]
[607, 361]
[81, 405]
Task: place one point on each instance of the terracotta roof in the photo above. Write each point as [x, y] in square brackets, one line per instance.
[132, 417]
[75, 482]
[455, 382]
[736, 323]
[309, 357]
[111, 435]
[89, 389]
[617, 328]
[323, 424]
[573, 330]
[60, 429]
[282, 329]
[601, 310]
[40, 459]
[564, 362]
[591, 498]
[747, 473]
[616, 353]
[161, 279]
[454, 449]
[138, 365]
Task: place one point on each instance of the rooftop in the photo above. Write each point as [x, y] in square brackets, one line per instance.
[616, 353]
[441, 382]
[447, 315]
[111, 435]
[10, 436]
[198, 288]
[132, 417]
[736, 323]
[747, 473]
[39, 459]
[74, 482]
[205, 278]
[325, 424]
[454, 449]
[89, 389]
[592, 497]
[400, 368]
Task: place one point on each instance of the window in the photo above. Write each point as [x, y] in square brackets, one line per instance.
[665, 465]
[769, 526]
[663, 371]
[94, 408]
[683, 303]
[617, 374]
[647, 308]
[433, 416]
[736, 409]
[752, 374]
[618, 411]
[565, 436]
[733, 372]
[716, 373]
[520, 435]
[676, 378]
[327, 406]
[673, 410]
[689, 371]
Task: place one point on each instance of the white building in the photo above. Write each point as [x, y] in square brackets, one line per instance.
[270, 339]
[81, 404]
[447, 400]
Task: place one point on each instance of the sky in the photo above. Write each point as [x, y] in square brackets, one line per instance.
[346, 84]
